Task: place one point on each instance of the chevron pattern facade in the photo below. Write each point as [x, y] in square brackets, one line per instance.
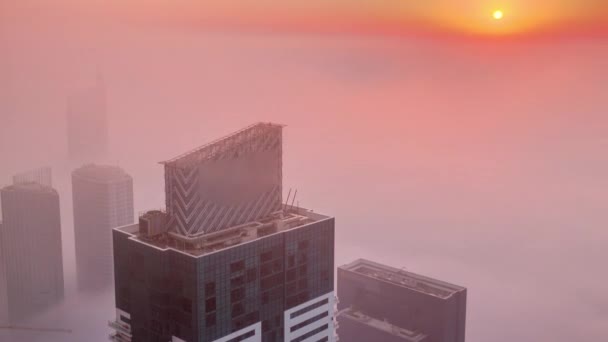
[200, 201]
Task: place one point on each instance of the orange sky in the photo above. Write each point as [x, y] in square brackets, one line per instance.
[523, 17]
[468, 16]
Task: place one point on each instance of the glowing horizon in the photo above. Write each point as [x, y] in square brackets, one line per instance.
[519, 17]
[465, 17]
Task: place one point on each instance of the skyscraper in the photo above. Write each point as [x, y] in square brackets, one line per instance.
[31, 249]
[227, 261]
[87, 124]
[381, 303]
[103, 200]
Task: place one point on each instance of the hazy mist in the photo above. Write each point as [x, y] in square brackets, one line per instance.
[482, 163]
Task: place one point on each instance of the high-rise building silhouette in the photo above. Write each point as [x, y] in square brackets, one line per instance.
[228, 260]
[31, 249]
[103, 200]
[87, 123]
[381, 303]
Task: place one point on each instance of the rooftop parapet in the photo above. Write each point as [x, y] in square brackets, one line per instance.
[403, 278]
[276, 222]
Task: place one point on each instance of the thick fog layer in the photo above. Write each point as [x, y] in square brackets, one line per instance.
[481, 163]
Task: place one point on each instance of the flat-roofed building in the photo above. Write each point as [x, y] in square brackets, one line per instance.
[417, 308]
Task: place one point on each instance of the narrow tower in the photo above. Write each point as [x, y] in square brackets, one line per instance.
[103, 200]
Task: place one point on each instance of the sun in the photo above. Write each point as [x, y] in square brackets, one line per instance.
[498, 14]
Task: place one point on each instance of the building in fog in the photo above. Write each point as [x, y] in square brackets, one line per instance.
[381, 303]
[227, 261]
[43, 175]
[87, 124]
[103, 200]
[31, 249]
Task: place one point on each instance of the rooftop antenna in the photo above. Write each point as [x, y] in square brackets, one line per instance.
[287, 201]
[294, 198]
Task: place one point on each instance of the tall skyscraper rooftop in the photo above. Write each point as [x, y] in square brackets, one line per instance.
[101, 173]
[227, 261]
[43, 175]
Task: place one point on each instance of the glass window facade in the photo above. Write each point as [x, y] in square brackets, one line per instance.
[205, 298]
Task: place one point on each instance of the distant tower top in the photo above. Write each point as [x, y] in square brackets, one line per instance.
[42, 176]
